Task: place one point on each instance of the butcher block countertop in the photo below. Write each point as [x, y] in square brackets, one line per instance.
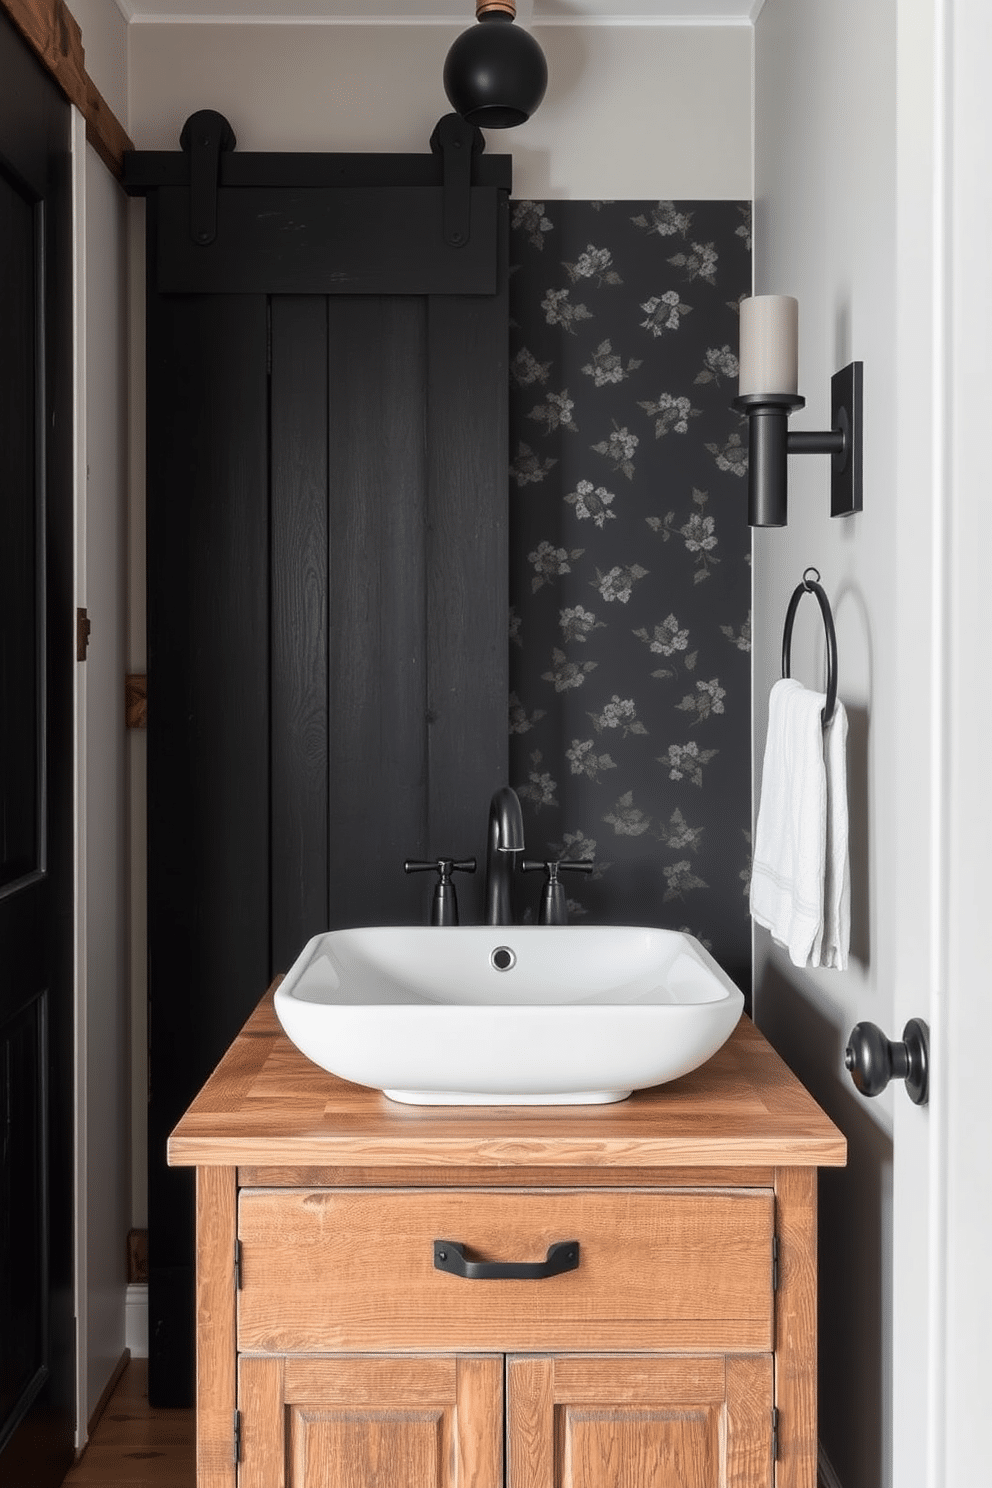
[267, 1106]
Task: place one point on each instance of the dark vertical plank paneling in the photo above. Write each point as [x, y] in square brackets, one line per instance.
[37, 820]
[20, 616]
[467, 570]
[208, 764]
[327, 656]
[299, 720]
[23, 1220]
[377, 500]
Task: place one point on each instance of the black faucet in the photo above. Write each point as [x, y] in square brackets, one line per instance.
[506, 841]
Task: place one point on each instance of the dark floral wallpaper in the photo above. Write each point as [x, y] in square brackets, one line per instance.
[630, 561]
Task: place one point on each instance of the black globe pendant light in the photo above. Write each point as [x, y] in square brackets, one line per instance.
[495, 73]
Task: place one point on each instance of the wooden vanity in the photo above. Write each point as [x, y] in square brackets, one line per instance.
[679, 1346]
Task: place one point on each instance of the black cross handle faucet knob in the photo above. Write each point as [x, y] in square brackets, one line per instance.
[444, 905]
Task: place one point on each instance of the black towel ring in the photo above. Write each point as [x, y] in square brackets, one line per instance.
[812, 586]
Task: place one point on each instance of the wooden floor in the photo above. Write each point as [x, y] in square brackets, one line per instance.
[135, 1446]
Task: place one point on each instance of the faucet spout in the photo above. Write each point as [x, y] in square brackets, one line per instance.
[505, 844]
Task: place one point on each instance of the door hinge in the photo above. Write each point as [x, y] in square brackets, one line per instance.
[237, 1265]
[774, 1263]
[237, 1437]
[82, 634]
[774, 1433]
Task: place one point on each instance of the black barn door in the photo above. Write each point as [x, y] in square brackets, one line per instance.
[36, 774]
[327, 598]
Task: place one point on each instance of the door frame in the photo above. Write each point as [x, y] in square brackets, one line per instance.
[953, 1149]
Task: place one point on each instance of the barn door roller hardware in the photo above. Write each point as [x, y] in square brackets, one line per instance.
[224, 221]
[206, 133]
[204, 136]
[457, 143]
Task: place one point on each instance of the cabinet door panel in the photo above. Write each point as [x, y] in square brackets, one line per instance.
[639, 1422]
[352, 1422]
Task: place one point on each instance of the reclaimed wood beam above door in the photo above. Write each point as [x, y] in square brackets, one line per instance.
[53, 33]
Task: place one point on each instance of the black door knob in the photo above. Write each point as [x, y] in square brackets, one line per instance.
[874, 1060]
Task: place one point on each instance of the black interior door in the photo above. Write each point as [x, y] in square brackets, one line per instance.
[36, 1010]
[327, 599]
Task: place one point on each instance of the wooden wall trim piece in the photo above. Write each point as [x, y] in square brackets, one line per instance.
[52, 32]
[136, 700]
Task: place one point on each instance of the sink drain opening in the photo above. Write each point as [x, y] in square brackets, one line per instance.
[502, 958]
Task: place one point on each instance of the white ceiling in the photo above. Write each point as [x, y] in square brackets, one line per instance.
[426, 12]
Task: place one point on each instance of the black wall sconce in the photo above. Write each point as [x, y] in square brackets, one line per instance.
[495, 73]
[769, 379]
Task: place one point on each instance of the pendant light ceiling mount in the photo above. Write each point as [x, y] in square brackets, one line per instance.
[495, 74]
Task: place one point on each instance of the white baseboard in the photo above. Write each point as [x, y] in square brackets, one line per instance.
[825, 1475]
[136, 1321]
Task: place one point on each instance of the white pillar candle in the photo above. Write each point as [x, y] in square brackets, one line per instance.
[769, 345]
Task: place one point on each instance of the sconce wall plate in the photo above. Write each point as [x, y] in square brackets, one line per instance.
[846, 481]
[770, 442]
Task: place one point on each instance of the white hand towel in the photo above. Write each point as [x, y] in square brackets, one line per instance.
[800, 876]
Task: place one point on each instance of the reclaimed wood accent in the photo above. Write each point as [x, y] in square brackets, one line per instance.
[795, 1327]
[216, 1215]
[332, 1423]
[349, 1271]
[136, 700]
[267, 1104]
[52, 32]
[137, 1255]
[628, 1421]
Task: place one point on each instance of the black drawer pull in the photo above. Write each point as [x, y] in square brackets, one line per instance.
[450, 1256]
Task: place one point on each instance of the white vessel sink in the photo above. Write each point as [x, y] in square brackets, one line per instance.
[507, 1015]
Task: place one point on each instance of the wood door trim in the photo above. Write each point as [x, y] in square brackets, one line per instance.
[54, 36]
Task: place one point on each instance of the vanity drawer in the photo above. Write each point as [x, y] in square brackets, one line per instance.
[327, 1270]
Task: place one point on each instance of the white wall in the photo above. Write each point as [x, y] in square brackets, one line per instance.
[109, 1156]
[103, 1021]
[630, 111]
[825, 230]
[102, 1137]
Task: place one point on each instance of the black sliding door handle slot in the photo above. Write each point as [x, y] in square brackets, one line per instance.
[449, 1256]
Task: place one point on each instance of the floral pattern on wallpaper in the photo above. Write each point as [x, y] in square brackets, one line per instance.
[630, 561]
